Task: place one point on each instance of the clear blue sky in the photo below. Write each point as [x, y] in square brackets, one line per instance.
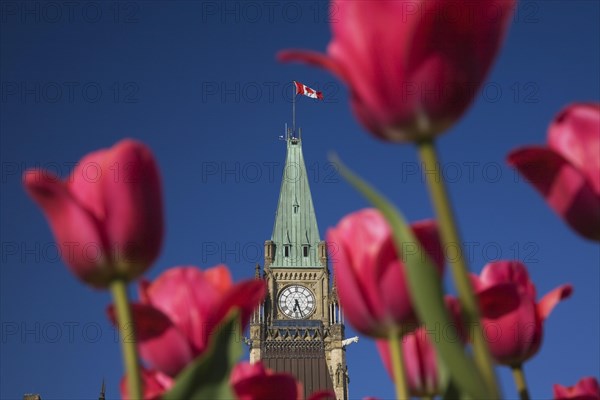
[200, 85]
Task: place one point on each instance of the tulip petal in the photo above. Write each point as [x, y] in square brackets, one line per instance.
[255, 382]
[133, 204]
[563, 186]
[246, 296]
[508, 271]
[429, 239]
[77, 231]
[395, 296]
[322, 395]
[420, 362]
[374, 54]
[452, 49]
[314, 58]
[552, 298]
[143, 287]
[499, 299]
[352, 295]
[155, 384]
[575, 134]
[243, 370]
[189, 299]
[85, 182]
[516, 336]
[161, 343]
[275, 386]
[219, 277]
[586, 389]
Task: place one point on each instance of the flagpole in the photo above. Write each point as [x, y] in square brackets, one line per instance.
[294, 112]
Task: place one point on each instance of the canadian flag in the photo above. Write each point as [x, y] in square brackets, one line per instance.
[305, 90]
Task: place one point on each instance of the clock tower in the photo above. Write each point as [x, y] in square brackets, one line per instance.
[299, 328]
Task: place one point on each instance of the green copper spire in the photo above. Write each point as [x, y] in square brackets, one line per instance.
[295, 233]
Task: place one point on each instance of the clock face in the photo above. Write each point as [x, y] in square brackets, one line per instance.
[297, 302]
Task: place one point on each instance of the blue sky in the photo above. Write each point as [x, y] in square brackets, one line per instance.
[198, 82]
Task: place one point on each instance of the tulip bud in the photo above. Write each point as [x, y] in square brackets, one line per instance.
[414, 67]
[108, 224]
[369, 271]
[514, 333]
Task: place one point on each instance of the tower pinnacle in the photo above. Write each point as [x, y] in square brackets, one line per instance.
[102, 391]
[295, 232]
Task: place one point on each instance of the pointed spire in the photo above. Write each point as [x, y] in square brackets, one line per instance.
[257, 271]
[334, 295]
[295, 232]
[102, 391]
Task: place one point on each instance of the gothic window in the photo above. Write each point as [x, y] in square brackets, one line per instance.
[305, 250]
[286, 250]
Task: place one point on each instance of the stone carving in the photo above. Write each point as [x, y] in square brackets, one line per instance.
[339, 372]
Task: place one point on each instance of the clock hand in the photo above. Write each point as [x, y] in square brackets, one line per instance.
[296, 304]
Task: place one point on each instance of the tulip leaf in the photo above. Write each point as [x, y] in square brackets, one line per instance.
[426, 290]
[207, 377]
[450, 392]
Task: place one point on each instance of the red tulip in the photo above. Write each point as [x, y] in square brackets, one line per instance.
[182, 308]
[414, 67]
[107, 217]
[567, 172]
[369, 273]
[514, 336]
[155, 384]
[419, 356]
[586, 389]
[255, 382]
[419, 360]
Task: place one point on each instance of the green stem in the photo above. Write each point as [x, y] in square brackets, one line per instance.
[520, 382]
[395, 341]
[460, 271]
[128, 342]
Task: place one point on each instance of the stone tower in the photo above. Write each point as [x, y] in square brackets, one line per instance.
[299, 328]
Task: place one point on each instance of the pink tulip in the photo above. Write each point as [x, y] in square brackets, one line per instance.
[513, 336]
[412, 67]
[248, 382]
[567, 172]
[419, 360]
[155, 384]
[256, 382]
[419, 355]
[181, 309]
[369, 272]
[107, 217]
[586, 389]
